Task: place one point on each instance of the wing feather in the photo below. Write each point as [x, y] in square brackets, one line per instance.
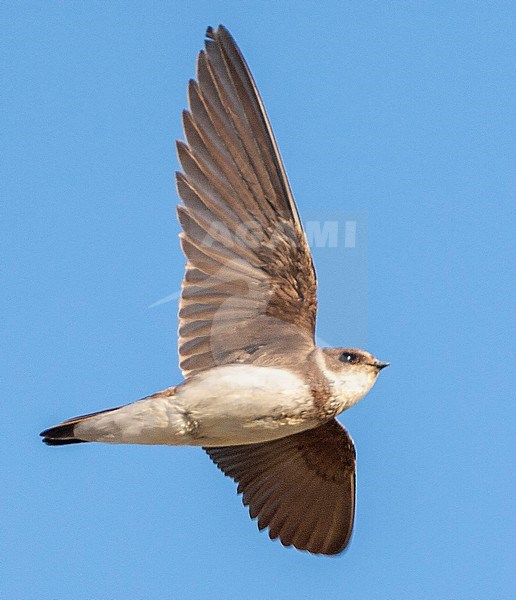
[301, 487]
[249, 289]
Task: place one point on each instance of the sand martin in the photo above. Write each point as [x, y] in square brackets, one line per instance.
[258, 394]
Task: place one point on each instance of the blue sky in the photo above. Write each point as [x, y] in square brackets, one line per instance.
[401, 113]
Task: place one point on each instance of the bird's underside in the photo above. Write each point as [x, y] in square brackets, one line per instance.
[249, 298]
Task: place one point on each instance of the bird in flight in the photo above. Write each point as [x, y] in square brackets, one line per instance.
[258, 394]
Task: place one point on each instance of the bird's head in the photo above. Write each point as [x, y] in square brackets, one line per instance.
[353, 359]
[351, 371]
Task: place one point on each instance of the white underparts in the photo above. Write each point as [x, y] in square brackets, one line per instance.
[227, 405]
[234, 404]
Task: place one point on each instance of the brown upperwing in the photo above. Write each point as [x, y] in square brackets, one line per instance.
[249, 282]
[301, 487]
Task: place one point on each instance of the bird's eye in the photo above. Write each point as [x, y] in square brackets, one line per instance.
[349, 357]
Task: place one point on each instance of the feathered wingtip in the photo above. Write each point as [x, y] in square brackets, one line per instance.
[211, 33]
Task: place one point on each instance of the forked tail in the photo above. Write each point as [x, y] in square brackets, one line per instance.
[63, 434]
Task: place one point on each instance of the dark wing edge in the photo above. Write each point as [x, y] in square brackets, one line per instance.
[302, 487]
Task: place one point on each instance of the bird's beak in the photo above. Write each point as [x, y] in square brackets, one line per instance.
[381, 365]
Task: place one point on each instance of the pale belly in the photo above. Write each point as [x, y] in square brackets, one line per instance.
[241, 404]
[229, 405]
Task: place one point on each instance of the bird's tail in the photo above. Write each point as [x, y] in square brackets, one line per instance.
[63, 433]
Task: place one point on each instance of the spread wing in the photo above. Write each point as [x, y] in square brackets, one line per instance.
[249, 289]
[301, 487]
